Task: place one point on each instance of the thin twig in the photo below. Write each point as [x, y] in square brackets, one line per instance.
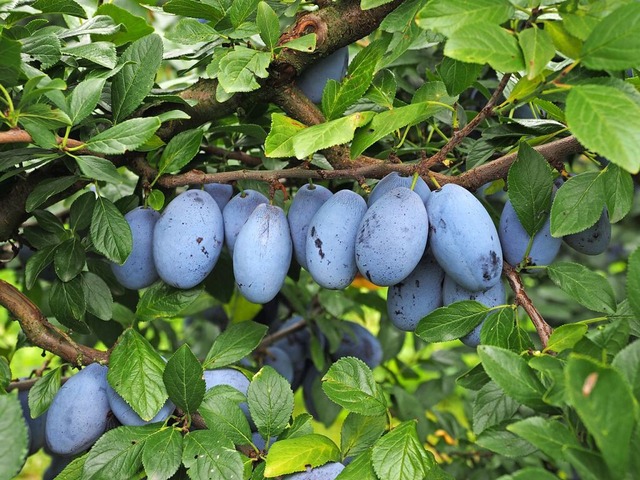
[285, 332]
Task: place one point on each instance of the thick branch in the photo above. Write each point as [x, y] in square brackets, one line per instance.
[42, 333]
[522, 299]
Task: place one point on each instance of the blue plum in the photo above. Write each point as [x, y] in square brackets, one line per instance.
[188, 239]
[35, 426]
[139, 270]
[392, 237]
[333, 67]
[594, 240]
[463, 238]
[220, 192]
[306, 202]
[78, 413]
[328, 471]
[296, 346]
[394, 180]
[417, 295]
[515, 239]
[237, 212]
[492, 297]
[280, 361]
[127, 415]
[262, 254]
[359, 342]
[331, 240]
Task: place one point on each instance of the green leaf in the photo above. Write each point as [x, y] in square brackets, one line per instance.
[360, 432]
[235, 343]
[10, 61]
[117, 453]
[206, 455]
[500, 441]
[69, 259]
[350, 383]
[221, 411]
[537, 48]
[530, 186]
[135, 373]
[45, 116]
[191, 8]
[548, 435]
[110, 232]
[270, 402]
[451, 322]
[491, 407]
[189, 31]
[633, 281]
[47, 189]
[446, 16]
[458, 76]
[180, 151]
[73, 471]
[614, 43]
[97, 296]
[97, 25]
[13, 437]
[37, 263]
[67, 7]
[300, 426]
[100, 53]
[369, 4]
[599, 394]
[239, 69]
[67, 302]
[183, 379]
[627, 361]
[269, 25]
[606, 120]
[49, 222]
[81, 211]
[566, 336]
[578, 204]
[84, 99]
[127, 135]
[43, 48]
[162, 300]
[383, 89]
[485, 43]
[241, 10]
[43, 391]
[282, 130]
[511, 372]
[400, 455]
[584, 286]
[132, 27]
[500, 329]
[162, 453]
[361, 468]
[305, 43]
[294, 454]
[387, 122]
[618, 191]
[97, 168]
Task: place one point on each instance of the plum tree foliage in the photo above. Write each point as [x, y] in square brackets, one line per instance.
[353, 240]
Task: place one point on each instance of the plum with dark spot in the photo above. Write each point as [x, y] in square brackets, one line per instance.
[392, 237]
[262, 254]
[333, 67]
[359, 342]
[306, 202]
[328, 471]
[395, 180]
[188, 239]
[139, 270]
[237, 212]
[417, 295]
[463, 238]
[331, 240]
[127, 415]
[594, 240]
[220, 192]
[79, 412]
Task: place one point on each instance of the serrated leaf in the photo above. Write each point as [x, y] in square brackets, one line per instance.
[268, 24]
[369, 4]
[37, 263]
[192, 8]
[180, 151]
[47, 189]
[491, 407]
[97, 168]
[627, 361]
[614, 42]
[84, 99]
[132, 27]
[270, 402]
[239, 69]
[81, 211]
[537, 48]
[305, 43]
[584, 286]
[100, 53]
[189, 31]
[49, 222]
[618, 191]
[43, 391]
[530, 187]
[458, 76]
[300, 426]
[127, 135]
[361, 468]
[10, 61]
[383, 89]
[294, 454]
[206, 455]
[451, 322]
[43, 48]
[615, 133]
[135, 373]
[73, 471]
[566, 336]
[222, 413]
[162, 454]
[13, 432]
[97, 25]
[633, 281]
[183, 379]
[67, 302]
[235, 343]
[498, 329]
[282, 129]
[400, 455]
[69, 259]
[162, 300]
[97, 296]
[110, 232]
[548, 435]
[350, 383]
[445, 16]
[503, 442]
[578, 204]
[360, 432]
[67, 7]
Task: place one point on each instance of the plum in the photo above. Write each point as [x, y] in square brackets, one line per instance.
[78, 413]
[328, 471]
[359, 342]
[231, 377]
[35, 426]
[514, 239]
[220, 192]
[463, 238]
[392, 237]
[279, 360]
[331, 239]
[492, 297]
[295, 345]
[394, 180]
[306, 202]
[417, 295]
[594, 240]
[127, 415]
[333, 67]
[188, 239]
[139, 270]
[260, 442]
[237, 212]
[262, 254]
